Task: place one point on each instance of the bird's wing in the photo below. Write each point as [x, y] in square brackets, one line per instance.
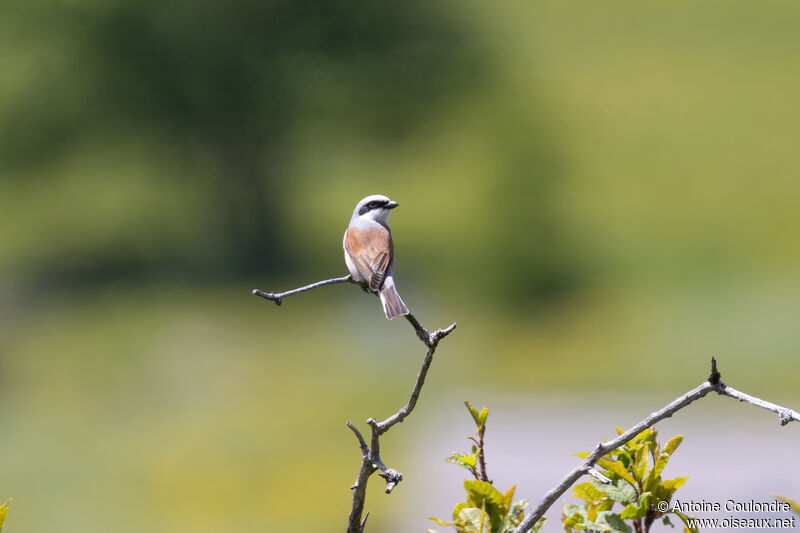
[371, 252]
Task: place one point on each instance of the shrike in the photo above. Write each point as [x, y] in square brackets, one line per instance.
[369, 251]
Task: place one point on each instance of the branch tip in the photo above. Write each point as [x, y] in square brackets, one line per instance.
[715, 378]
[392, 477]
[598, 476]
[361, 442]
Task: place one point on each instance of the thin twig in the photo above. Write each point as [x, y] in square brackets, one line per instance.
[362, 443]
[278, 297]
[482, 455]
[370, 454]
[372, 460]
[404, 411]
[785, 415]
[714, 383]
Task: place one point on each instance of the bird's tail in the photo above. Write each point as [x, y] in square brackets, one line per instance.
[393, 305]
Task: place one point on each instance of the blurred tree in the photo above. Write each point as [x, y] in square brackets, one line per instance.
[533, 248]
[219, 86]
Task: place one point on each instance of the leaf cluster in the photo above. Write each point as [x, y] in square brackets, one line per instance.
[486, 509]
[474, 460]
[635, 471]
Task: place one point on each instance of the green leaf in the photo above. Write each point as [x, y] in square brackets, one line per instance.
[655, 474]
[508, 497]
[595, 508]
[483, 494]
[441, 522]
[619, 491]
[587, 492]
[470, 461]
[793, 503]
[538, 525]
[673, 444]
[457, 510]
[667, 488]
[570, 521]
[574, 509]
[517, 510]
[640, 462]
[616, 467]
[685, 520]
[514, 515]
[641, 439]
[463, 460]
[608, 521]
[476, 520]
[639, 509]
[3, 513]
[582, 455]
[673, 484]
[632, 511]
[645, 498]
[620, 431]
[617, 523]
[623, 457]
[482, 417]
[473, 412]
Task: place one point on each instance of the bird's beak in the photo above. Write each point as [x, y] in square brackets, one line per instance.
[391, 205]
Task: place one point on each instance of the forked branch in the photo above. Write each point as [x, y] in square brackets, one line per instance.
[278, 297]
[370, 453]
[714, 383]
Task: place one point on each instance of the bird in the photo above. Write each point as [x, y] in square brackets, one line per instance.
[369, 251]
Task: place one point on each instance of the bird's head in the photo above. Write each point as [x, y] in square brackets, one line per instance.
[375, 207]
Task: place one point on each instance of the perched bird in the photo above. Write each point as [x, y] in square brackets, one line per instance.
[369, 251]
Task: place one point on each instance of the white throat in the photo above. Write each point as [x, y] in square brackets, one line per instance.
[381, 216]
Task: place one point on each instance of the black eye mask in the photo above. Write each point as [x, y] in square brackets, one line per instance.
[374, 204]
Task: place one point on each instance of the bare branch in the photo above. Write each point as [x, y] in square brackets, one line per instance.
[785, 414]
[605, 447]
[372, 460]
[371, 454]
[422, 333]
[278, 297]
[404, 411]
[714, 383]
[392, 477]
[362, 443]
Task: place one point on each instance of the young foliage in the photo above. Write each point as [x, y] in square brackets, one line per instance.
[3, 512]
[636, 484]
[793, 503]
[486, 509]
[474, 460]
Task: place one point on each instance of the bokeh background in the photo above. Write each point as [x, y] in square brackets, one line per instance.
[602, 195]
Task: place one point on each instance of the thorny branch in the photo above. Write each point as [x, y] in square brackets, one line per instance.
[714, 384]
[370, 454]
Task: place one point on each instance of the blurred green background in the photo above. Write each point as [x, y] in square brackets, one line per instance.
[602, 195]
